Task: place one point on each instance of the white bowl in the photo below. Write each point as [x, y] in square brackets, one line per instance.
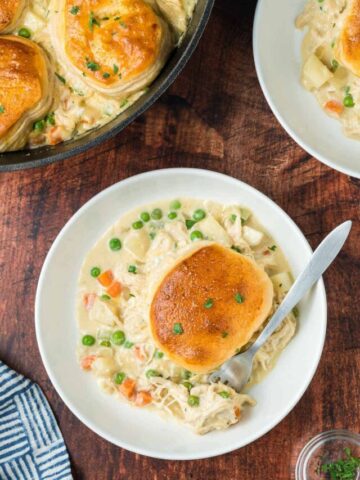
[277, 56]
[143, 431]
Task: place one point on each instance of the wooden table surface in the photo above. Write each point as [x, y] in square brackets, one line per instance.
[213, 117]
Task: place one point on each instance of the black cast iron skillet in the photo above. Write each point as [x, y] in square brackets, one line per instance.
[44, 155]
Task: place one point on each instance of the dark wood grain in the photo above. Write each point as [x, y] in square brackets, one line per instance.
[214, 117]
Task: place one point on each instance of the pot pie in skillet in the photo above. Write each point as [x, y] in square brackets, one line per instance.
[10, 12]
[104, 53]
[26, 89]
[170, 292]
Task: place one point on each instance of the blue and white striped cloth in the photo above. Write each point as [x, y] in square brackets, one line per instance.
[31, 445]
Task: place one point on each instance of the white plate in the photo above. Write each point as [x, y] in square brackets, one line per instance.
[143, 431]
[277, 57]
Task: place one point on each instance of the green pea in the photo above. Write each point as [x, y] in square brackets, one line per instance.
[152, 373]
[24, 32]
[224, 394]
[128, 344]
[105, 343]
[137, 225]
[158, 354]
[118, 337]
[115, 244]
[95, 272]
[199, 214]
[196, 235]
[145, 216]
[178, 329]
[50, 118]
[172, 215]
[119, 378]
[175, 205]
[132, 269]
[156, 214]
[193, 401]
[88, 340]
[39, 126]
[188, 385]
[348, 101]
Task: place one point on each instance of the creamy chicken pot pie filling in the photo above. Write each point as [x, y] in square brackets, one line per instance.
[331, 58]
[104, 54]
[116, 286]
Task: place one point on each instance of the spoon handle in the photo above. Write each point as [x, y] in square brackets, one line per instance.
[322, 258]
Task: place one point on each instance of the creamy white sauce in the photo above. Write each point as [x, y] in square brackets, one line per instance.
[322, 74]
[150, 251]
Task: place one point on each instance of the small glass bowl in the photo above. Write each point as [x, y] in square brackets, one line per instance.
[327, 447]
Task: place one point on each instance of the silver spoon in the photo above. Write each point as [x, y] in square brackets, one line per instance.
[236, 371]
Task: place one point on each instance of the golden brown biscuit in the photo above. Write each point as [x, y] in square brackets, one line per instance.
[208, 305]
[10, 11]
[347, 48]
[115, 47]
[25, 89]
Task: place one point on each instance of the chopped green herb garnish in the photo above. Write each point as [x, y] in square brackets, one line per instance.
[178, 329]
[115, 69]
[189, 223]
[106, 75]
[236, 249]
[105, 343]
[343, 469]
[105, 297]
[224, 334]
[188, 385]
[158, 354]
[74, 10]
[62, 79]
[239, 298]
[93, 66]
[152, 235]
[334, 65]
[128, 344]
[233, 218]
[209, 303]
[2, 109]
[132, 269]
[272, 248]
[93, 21]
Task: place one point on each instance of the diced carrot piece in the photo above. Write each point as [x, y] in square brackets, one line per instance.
[139, 354]
[114, 290]
[334, 106]
[237, 412]
[127, 388]
[55, 136]
[143, 398]
[106, 278]
[86, 362]
[88, 300]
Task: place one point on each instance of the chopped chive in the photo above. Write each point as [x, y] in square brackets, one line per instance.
[239, 298]
[209, 303]
[62, 79]
[105, 297]
[224, 334]
[193, 401]
[74, 10]
[178, 329]
[132, 269]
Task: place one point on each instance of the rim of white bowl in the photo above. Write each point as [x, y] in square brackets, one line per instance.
[86, 421]
[278, 115]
